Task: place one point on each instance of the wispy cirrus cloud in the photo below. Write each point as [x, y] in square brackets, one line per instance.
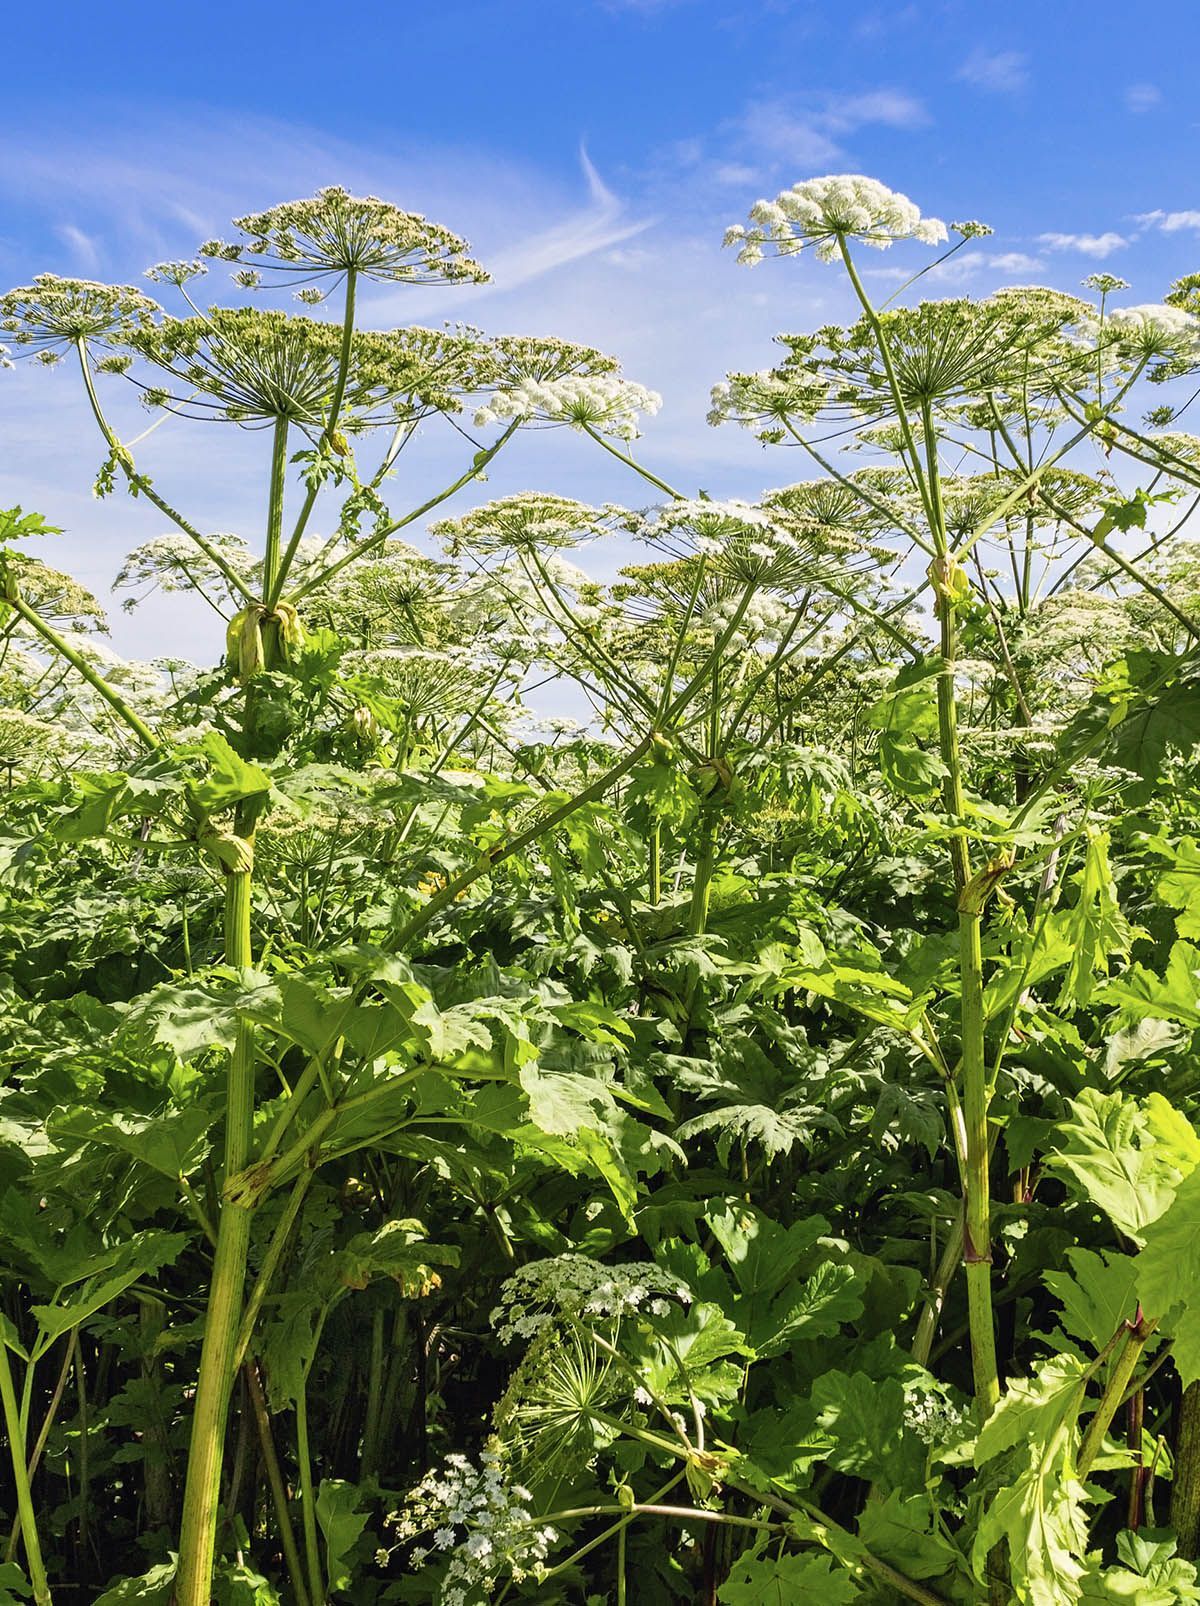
[998, 72]
[81, 245]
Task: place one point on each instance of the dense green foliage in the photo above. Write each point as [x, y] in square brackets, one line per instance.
[740, 1151]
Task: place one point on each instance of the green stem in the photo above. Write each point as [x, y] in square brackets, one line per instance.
[629, 462]
[889, 369]
[312, 1553]
[935, 1297]
[1185, 1488]
[373, 1412]
[279, 437]
[79, 663]
[706, 863]
[360, 548]
[141, 486]
[197, 1540]
[654, 873]
[287, 1535]
[977, 1227]
[15, 1433]
[497, 855]
[270, 1265]
[1138, 1336]
[271, 596]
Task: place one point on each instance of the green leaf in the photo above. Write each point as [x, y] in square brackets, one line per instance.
[14, 1585]
[151, 1589]
[781, 1448]
[1039, 1510]
[904, 716]
[864, 1416]
[1097, 1294]
[1108, 1147]
[1152, 1576]
[758, 1580]
[1179, 887]
[1174, 996]
[229, 780]
[903, 1531]
[137, 1257]
[342, 1525]
[1033, 1408]
[236, 1584]
[1168, 1275]
[397, 1250]
[826, 1300]
[1092, 929]
[172, 1144]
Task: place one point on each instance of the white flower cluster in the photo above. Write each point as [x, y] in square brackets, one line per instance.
[767, 401]
[601, 402]
[538, 1293]
[933, 1418]
[706, 514]
[822, 212]
[483, 1519]
[1156, 330]
[527, 521]
[176, 273]
[764, 618]
[24, 738]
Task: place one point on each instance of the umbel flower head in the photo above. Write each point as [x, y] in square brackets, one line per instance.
[942, 353]
[1168, 333]
[334, 232]
[53, 313]
[526, 522]
[251, 365]
[769, 545]
[605, 403]
[823, 212]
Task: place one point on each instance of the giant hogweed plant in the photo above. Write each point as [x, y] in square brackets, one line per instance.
[778, 1024]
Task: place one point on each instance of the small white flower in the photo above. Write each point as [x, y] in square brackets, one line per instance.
[823, 212]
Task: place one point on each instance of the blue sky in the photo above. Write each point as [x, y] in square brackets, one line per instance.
[592, 151]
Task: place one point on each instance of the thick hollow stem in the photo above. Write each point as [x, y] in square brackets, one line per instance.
[14, 1432]
[197, 1540]
[1185, 1490]
[1119, 1379]
[977, 1230]
[279, 439]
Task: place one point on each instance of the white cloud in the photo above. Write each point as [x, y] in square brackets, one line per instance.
[1088, 245]
[734, 173]
[81, 245]
[808, 134]
[1000, 72]
[1169, 222]
[964, 267]
[1142, 97]
[602, 223]
[894, 108]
